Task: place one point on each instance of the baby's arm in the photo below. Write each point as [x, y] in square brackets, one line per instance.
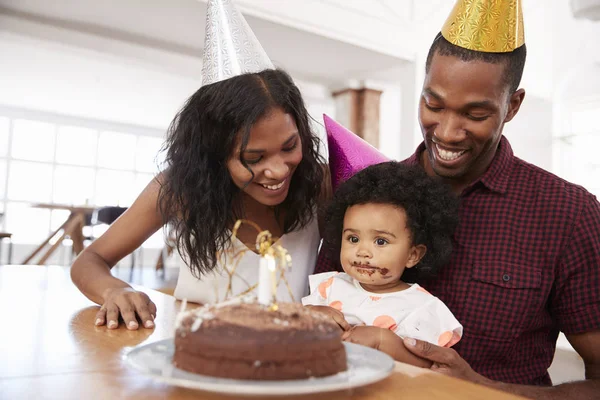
[386, 341]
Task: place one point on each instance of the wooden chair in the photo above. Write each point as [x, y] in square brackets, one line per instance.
[108, 215]
[5, 235]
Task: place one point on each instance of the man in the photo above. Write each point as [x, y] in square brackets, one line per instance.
[526, 258]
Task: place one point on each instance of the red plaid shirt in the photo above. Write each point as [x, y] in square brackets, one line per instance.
[525, 265]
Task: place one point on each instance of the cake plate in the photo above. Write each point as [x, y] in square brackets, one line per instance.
[365, 366]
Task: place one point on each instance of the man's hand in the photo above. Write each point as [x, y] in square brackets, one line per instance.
[445, 360]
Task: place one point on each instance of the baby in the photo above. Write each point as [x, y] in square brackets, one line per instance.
[391, 224]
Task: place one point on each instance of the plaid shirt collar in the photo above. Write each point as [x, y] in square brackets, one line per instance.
[497, 175]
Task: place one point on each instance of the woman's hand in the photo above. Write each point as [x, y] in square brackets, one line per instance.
[336, 315]
[128, 304]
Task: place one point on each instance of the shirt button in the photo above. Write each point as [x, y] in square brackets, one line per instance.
[506, 277]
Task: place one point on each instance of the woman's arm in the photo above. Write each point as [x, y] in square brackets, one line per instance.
[91, 270]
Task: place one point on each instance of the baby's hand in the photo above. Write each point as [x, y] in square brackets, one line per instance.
[336, 315]
[370, 336]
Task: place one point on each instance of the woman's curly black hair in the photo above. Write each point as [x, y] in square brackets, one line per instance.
[197, 195]
[430, 206]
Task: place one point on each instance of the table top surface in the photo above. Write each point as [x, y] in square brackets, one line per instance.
[52, 350]
[69, 207]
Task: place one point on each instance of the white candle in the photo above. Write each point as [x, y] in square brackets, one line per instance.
[266, 276]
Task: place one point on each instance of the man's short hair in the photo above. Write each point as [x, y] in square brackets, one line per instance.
[514, 61]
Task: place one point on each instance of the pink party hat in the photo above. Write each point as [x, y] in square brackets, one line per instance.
[348, 153]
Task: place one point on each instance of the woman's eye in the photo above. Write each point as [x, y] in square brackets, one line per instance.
[252, 160]
[381, 242]
[291, 148]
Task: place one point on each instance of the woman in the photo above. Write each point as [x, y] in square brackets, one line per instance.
[239, 148]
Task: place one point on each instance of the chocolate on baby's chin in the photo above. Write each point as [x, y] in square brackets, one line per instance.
[384, 271]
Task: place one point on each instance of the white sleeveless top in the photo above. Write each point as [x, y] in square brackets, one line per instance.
[302, 245]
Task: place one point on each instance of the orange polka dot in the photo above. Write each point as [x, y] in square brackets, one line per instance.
[375, 298]
[323, 287]
[445, 338]
[385, 322]
[455, 339]
[420, 289]
[336, 304]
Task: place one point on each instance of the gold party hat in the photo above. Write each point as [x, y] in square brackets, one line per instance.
[486, 25]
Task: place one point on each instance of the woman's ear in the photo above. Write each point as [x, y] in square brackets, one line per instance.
[415, 255]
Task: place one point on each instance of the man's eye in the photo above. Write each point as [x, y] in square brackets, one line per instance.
[432, 108]
[477, 117]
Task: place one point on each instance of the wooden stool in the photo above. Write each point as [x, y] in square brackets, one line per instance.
[4, 235]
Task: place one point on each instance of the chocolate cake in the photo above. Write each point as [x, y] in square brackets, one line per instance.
[246, 340]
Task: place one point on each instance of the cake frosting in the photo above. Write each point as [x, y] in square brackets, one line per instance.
[243, 339]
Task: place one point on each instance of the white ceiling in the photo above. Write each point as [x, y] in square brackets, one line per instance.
[177, 26]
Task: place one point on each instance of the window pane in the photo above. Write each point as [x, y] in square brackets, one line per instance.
[2, 179]
[4, 125]
[156, 241]
[57, 218]
[578, 162]
[73, 185]
[141, 181]
[76, 145]
[26, 133]
[585, 121]
[114, 188]
[146, 156]
[116, 150]
[30, 181]
[27, 224]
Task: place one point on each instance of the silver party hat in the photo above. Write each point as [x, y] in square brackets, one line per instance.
[230, 47]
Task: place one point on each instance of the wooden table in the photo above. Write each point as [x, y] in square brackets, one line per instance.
[50, 349]
[72, 227]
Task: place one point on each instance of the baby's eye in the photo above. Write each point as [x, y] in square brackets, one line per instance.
[353, 239]
[381, 242]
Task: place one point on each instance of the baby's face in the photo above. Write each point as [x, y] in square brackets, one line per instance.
[376, 244]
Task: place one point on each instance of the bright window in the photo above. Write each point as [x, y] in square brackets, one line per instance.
[73, 185]
[76, 145]
[147, 157]
[4, 125]
[30, 181]
[33, 140]
[116, 150]
[63, 160]
[575, 148]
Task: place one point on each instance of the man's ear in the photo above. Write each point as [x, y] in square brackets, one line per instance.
[514, 104]
[415, 255]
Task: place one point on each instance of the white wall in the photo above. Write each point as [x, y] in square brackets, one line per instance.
[530, 132]
[46, 76]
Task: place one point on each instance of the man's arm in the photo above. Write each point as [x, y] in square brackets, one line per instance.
[448, 362]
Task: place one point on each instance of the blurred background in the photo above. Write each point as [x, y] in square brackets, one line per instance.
[88, 88]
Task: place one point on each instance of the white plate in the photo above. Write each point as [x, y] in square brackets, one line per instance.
[365, 366]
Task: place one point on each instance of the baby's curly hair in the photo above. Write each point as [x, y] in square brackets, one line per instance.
[430, 206]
